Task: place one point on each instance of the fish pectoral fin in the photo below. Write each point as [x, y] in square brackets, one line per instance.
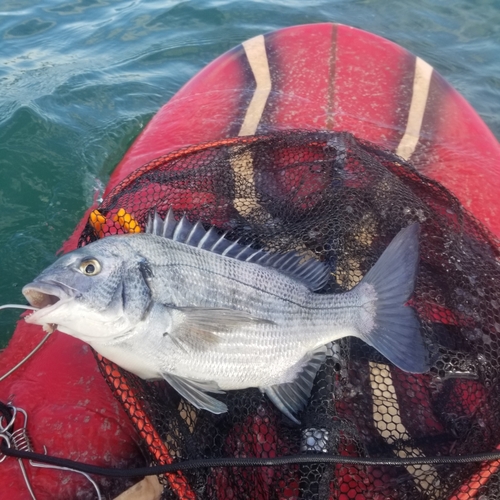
[215, 320]
[199, 328]
[291, 397]
[195, 392]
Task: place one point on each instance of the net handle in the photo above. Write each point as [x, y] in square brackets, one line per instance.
[470, 488]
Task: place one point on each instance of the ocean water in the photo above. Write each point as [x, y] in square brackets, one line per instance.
[79, 79]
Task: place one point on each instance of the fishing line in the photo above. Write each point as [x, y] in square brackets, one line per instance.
[248, 462]
[19, 306]
[68, 469]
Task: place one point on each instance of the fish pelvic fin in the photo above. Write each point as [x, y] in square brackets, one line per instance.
[195, 392]
[393, 328]
[292, 397]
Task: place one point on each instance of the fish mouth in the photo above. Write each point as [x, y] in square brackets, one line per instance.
[46, 297]
[40, 299]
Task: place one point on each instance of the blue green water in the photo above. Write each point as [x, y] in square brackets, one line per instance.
[79, 79]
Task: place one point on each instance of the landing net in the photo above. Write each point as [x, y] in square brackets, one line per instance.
[342, 200]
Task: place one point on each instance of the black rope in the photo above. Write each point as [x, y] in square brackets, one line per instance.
[247, 462]
[6, 412]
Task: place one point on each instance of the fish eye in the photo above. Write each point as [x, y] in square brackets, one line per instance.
[90, 267]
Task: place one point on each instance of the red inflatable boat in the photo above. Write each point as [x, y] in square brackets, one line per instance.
[323, 76]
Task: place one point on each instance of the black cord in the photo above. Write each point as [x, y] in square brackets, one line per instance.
[6, 412]
[247, 462]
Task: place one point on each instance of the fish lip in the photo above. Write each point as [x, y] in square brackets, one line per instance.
[46, 297]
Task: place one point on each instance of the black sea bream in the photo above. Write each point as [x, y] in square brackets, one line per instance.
[209, 315]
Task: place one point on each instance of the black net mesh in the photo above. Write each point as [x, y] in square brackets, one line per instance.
[343, 200]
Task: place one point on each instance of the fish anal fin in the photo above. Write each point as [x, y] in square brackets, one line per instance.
[195, 392]
[292, 397]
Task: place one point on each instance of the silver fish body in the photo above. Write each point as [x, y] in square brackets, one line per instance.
[170, 304]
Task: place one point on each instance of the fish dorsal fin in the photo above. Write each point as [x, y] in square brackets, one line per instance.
[309, 271]
[292, 397]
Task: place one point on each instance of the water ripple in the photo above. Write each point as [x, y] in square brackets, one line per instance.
[81, 78]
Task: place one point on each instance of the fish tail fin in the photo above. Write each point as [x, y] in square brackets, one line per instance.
[386, 323]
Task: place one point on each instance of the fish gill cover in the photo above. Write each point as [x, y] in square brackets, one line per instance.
[341, 200]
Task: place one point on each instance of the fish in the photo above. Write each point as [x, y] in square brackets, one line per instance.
[186, 304]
